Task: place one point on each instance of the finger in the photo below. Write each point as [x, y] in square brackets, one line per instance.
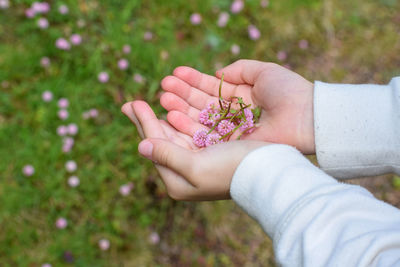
[171, 101]
[177, 187]
[204, 82]
[128, 111]
[148, 120]
[177, 137]
[193, 96]
[243, 71]
[169, 155]
[183, 123]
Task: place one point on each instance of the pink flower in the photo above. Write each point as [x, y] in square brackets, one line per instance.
[45, 62]
[148, 35]
[63, 114]
[204, 116]
[237, 6]
[138, 78]
[235, 49]
[254, 33]
[104, 244]
[47, 96]
[303, 44]
[126, 189]
[72, 129]
[248, 114]
[28, 170]
[4, 4]
[68, 143]
[154, 238]
[126, 49]
[71, 166]
[93, 113]
[225, 127]
[75, 39]
[63, 103]
[223, 19]
[46, 265]
[40, 7]
[123, 64]
[63, 44]
[73, 181]
[282, 55]
[246, 126]
[63, 9]
[66, 148]
[195, 18]
[103, 77]
[264, 3]
[30, 13]
[200, 138]
[62, 130]
[213, 139]
[61, 223]
[43, 23]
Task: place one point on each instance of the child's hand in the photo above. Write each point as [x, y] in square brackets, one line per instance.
[189, 173]
[285, 97]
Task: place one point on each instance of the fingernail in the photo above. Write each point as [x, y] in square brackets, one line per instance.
[146, 148]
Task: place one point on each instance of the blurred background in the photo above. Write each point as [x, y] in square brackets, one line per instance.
[73, 189]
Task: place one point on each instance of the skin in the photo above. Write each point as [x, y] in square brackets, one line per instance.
[190, 173]
[285, 97]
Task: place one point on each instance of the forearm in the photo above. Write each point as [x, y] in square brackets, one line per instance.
[357, 128]
[312, 219]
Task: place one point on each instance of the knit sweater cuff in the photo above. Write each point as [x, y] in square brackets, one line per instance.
[267, 193]
[357, 128]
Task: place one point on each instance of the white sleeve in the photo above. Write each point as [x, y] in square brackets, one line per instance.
[313, 219]
[357, 128]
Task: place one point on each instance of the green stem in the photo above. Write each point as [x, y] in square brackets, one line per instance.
[220, 91]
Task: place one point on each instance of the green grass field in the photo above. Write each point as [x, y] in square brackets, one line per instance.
[335, 41]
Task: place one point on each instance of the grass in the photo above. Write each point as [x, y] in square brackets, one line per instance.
[349, 41]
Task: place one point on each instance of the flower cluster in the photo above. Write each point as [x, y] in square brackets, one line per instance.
[223, 121]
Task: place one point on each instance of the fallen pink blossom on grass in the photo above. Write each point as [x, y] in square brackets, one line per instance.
[195, 19]
[61, 223]
[126, 49]
[63, 9]
[223, 19]
[63, 103]
[4, 4]
[71, 166]
[154, 238]
[45, 62]
[104, 244]
[237, 6]
[123, 64]
[63, 44]
[126, 189]
[103, 77]
[235, 49]
[43, 23]
[254, 33]
[63, 114]
[73, 181]
[28, 170]
[76, 39]
[47, 96]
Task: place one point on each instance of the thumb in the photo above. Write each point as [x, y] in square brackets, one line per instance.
[167, 154]
[243, 71]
